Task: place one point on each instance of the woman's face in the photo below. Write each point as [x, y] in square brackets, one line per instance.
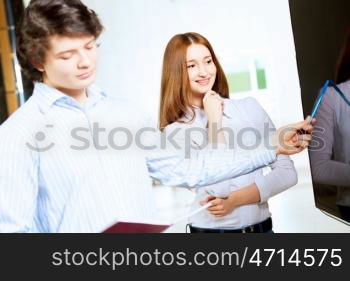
[201, 68]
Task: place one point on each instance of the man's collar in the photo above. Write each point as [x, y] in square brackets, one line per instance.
[49, 96]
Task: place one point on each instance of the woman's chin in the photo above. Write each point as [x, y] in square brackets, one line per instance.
[203, 91]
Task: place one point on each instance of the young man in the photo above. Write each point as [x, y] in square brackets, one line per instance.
[65, 164]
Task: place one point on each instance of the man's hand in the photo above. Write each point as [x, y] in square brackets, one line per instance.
[293, 138]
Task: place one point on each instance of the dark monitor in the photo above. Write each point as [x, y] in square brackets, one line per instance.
[322, 41]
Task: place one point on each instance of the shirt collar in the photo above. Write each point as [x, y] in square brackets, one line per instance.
[227, 106]
[48, 96]
[95, 94]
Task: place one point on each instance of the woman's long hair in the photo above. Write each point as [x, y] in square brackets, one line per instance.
[175, 96]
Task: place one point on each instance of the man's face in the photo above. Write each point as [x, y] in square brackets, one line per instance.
[70, 63]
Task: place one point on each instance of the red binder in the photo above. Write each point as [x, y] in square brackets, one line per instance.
[148, 227]
[130, 227]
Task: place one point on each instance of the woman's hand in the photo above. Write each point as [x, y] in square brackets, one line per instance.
[219, 206]
[213, 107]
[222, 206]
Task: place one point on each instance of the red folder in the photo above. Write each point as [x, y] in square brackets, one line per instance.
[130, 227]
[148, 227]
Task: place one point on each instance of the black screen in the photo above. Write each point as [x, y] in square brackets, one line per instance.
[321, 34]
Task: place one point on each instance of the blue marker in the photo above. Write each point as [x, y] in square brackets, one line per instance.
[319, 100]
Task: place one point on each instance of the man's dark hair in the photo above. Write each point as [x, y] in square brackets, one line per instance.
[44, 18]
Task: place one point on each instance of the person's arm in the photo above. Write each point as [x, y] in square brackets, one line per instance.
[18, 182]
[213, 107]
[176, 164]
[283, 174]
[282, 177]
[324, 169]
[222, 206]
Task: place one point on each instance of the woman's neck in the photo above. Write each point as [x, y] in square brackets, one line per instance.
[197, 100]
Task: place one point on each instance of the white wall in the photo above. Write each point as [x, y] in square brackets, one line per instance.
[137, 32]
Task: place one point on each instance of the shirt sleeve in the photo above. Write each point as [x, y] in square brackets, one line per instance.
[283, 174]
[324, 169]
[18, 182]
[175, 161]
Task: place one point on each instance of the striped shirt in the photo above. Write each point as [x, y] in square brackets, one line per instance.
[67, 167]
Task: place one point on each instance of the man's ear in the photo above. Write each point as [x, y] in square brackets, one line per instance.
[38, 66]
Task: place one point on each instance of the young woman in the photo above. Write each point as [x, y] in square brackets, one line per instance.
[195, 98]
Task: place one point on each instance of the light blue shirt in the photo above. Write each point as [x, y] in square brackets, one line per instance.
[69, 168]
